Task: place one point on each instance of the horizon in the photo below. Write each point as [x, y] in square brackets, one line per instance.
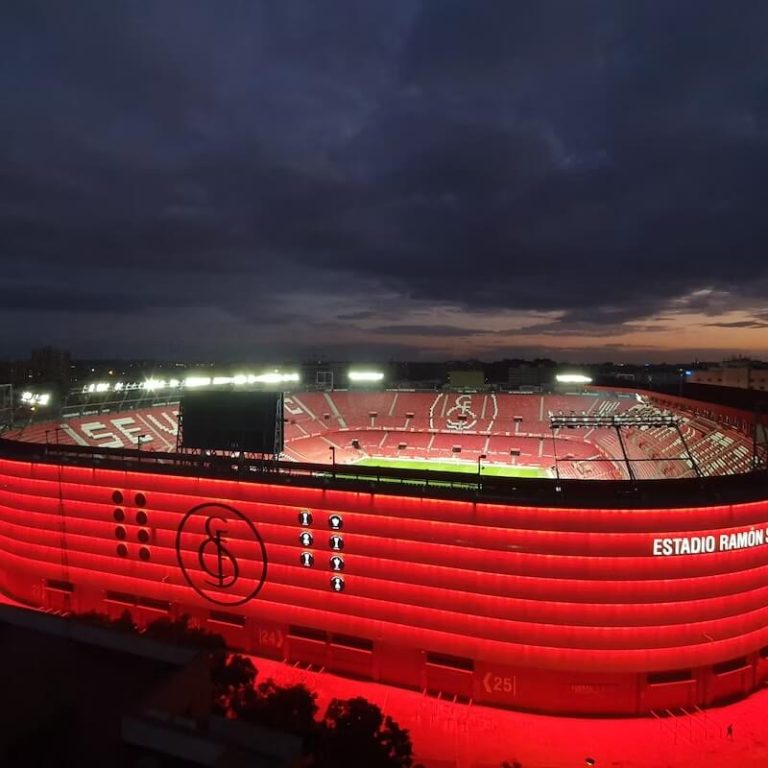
[545, 356]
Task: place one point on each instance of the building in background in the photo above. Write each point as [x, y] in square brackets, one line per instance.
[531, 375]
[466, 379]
[739, 373]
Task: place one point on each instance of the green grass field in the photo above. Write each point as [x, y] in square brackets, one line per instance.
[469, 467]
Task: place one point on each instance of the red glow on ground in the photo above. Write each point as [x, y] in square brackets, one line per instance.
[448, 735]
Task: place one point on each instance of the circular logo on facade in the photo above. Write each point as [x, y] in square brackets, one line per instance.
[221, 554]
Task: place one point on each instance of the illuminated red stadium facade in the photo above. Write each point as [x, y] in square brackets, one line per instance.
[564, 595]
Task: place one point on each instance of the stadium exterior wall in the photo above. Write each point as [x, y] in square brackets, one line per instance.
[556, 609]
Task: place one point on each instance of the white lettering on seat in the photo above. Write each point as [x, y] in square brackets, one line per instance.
[91, 431]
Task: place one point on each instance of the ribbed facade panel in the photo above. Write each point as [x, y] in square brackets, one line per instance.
[590, 600]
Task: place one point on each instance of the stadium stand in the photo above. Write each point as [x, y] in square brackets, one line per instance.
[507, 429]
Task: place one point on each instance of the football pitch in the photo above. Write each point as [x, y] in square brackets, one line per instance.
[469, 467]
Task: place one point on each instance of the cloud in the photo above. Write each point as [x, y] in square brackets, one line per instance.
[453, 331]
[286, 161]
[740, 324]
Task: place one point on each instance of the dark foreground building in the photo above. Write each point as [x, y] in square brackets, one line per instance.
[72, 694]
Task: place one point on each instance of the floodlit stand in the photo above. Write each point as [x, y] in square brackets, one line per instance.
[617, 422]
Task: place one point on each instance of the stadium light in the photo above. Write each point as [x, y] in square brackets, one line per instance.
[35, 398]
[152, 385]
[366, 376]
[240, 379]
[275, 377]
[97, 386]
[572, 378]
[197, 381]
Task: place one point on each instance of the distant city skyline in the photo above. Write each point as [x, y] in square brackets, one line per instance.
[363, 180]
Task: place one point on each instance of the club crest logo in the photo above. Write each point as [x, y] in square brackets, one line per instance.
[460, 416]
[221, 554]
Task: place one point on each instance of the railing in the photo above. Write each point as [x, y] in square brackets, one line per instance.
[535, 491]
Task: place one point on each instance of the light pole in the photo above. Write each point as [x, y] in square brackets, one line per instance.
[479, 459]
[139, 438]
[333, 458]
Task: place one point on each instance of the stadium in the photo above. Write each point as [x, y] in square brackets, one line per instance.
[591, 551]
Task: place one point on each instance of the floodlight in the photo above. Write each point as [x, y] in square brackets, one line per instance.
[197, 381]
[35, 398]
[366, 376]
[572, 378]
[269, 378]
[275, 377]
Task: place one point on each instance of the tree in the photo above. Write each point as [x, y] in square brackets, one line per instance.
[232, 678]
[180, 631]
[124, 624]
[288, 708]
[354, 732]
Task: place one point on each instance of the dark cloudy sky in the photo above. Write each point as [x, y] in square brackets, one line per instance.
[433, 178]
